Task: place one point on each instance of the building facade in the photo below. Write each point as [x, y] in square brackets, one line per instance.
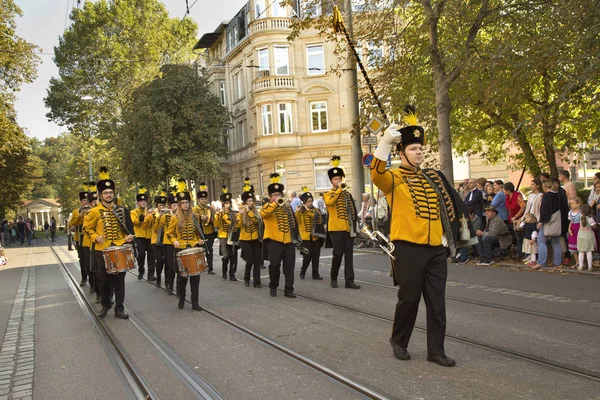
[289, 115]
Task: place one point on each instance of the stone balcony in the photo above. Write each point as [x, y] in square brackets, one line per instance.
[265, 24]
[266, 83]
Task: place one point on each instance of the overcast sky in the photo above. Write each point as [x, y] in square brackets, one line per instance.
[44, 21]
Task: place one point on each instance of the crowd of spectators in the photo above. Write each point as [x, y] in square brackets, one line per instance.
[13, 233]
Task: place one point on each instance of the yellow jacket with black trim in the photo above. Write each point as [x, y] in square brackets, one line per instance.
[163, 222]
[415, 207]
[277, 223]
[77, 222]
[337, 202]
[209, 225]
[138, 226]
[223, 223]
[101, 221]
[186, 235]
[151, 223]
[306, 220]
[248, 232]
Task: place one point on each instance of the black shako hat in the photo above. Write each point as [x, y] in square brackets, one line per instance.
[336, 170]
[275, 186]
[248, 190]
[202, 191]
[413, 132]
[86, 188]
[182, 192]
[142, 194]
[105, 182]
[172, 197]
[161, 198]
[225, 196]
[93, 193]
[306, 195]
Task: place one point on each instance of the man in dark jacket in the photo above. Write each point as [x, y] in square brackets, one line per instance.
[474, 198]
[564, 217]
[549, 207]
[495, 234]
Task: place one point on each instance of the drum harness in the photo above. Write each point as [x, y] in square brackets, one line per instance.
[112, 209]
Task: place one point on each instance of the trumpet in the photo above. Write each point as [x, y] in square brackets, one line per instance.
[84, 209]
[280, 201]
[381, 241]
[344, 186]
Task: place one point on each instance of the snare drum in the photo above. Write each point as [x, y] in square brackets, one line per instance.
[119, 259]
[191, 262]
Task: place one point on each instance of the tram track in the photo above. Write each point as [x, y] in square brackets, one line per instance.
[339, 378]
[138, 386]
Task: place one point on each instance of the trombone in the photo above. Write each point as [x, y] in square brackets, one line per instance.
[381, 241]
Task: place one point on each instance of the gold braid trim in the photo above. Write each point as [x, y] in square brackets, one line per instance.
[435, 177]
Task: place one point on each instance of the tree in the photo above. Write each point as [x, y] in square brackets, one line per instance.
[174, 126]
[111, 48]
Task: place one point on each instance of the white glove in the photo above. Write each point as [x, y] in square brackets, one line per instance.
[534, 235]
[392, 135]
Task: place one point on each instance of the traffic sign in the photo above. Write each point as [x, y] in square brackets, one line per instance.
[370, 140]
[367, 159]
[374, 125]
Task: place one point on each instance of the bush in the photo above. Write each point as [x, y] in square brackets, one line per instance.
[583, 194]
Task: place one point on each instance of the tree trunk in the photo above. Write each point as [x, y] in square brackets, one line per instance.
[531, 162]
[442, 100]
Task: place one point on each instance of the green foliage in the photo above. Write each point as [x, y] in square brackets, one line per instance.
[111, 48]
[174, 127]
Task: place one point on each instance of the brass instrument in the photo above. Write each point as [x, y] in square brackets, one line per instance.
[344, 186]
[84, 209]
[280, 201]
[381, 241]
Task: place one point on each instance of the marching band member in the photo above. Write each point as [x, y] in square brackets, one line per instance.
[279, 222]
[184, 233]
[151, 222]
[87, 246]
[143, 235]
[76, 222]
[206, 216]
[169, 252]
[223, 221]
[427, 220]
[312, 231]
[108, 224]
[341, 224]
[247, 224]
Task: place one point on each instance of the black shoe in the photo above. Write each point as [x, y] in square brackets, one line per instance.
[210, 272]
[181, 301]
[318, 278]
[103, 312]
[224, 276]
[170, 291]
[121, 315]
[257, 285]
[158, 283]
[152, 278]
[466, 260]
[442, 360]
[352, 285]
[400, 352]
[247, 283]
[334, 284]
[273, 292]
[92, 289]
[233, 278]
[290, 295]
[302, 275]
[140, 276]
[83, 282]
[197, 307]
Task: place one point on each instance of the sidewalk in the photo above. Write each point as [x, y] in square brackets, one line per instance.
[507, 262]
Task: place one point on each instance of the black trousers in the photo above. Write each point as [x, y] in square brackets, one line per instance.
[281, 253]
[230, 257]
[92, 272]
[342, 247]
[210, 241]
[182, 283]
[52, 235]
[82, 264]
[108, 282]
[314, 253]
[170, 265]
[420, 269]
[144, 250]
[252, 250]
[159, 258]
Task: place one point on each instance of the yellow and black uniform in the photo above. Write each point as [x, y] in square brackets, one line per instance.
[247, 224]
[280, 229]
[169, 252]
[113, 224]
[421, 228]
[312, 230]
[76, 222]
[184, 233]
[205, 214]
[341, 227]
[143, 234]
[88, 249]
[225, 221]
[151, 223]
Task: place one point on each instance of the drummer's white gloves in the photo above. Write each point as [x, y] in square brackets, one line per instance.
[391, 137]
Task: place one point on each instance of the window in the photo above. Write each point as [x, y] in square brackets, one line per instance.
[267, 119]
[321, 166]
[237, 83]
[229, 40]
[281, 60]
[263, 59]
[259, 8]
[315, 60]
[594, 163]
[222, 92]
[285, 117]
[318, 116]
[278, 9]
[236, 34]
[375, 55]
[240, 133]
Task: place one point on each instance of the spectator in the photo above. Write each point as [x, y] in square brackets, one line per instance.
[574, 223]
[476, 221]
[474, 198]
[21, 230]
[569, 187]
[544, 176]
[52, 228]
[530, 234]
[46, 228]
[294, 201]
[564, 213]
[366, 209]
[549, 218]
[382, 214]
[499, 201]
[489, 195]
[320, 204]
[594, 193]
[13, 234]
[29, 231]
[495, 235]
[585, 238]
[481, 182]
